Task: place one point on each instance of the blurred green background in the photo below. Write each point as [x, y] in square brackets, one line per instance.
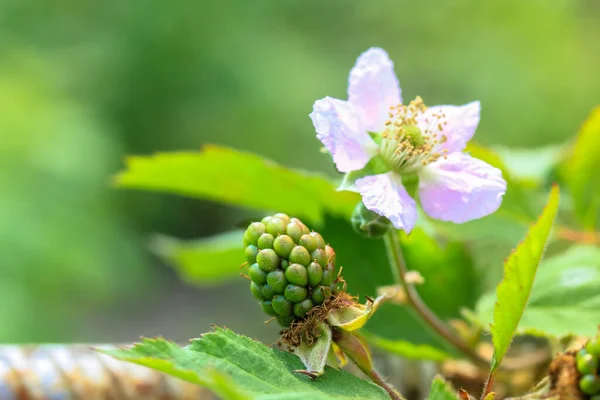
[83, 83]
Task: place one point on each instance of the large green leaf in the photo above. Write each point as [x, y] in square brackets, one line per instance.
[581, 171]
[407, 349]
[440, 390]
[565, 298]
[238, 178]
[204, 261]
[519, 272]
[253, 370]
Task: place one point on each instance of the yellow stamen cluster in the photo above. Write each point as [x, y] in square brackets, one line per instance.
[410, 139]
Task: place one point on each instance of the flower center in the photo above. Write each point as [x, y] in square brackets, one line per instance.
[411, 137]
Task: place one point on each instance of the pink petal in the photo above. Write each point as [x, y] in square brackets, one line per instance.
[460, 188]
[373, 88]
[340, 130]
[459, 127]
[385, 195]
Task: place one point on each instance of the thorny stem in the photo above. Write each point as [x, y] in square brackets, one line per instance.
[375, 377]
[399, 270]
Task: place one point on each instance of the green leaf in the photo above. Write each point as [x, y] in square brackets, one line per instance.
[253, 370]
[581, 171]
[238, 178]
[205, 261]
[519, 273]
[440, 390]
[565, 299]
[407, 349]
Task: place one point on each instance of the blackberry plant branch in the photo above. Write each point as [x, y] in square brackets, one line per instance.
[399, 271]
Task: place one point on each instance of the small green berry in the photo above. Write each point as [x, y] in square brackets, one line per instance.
[297, 274]
[257, 275]
[319, 239]
[319, 256]
[300, 309]
[254, 231]
[251, 253]
[276, 279]
[299, 255]
[327, 278]
[295, 293]
[294, 230]
[285, 321]
[330, 254]
[587, 363]
[267, 307]
[284, 217]
[320, 294]
[308, 242]
[266, 220]
[267, 292]
[256, 291]
[276, 227]
[267, 260]
[282, 306]
[265, 241]
[305, 229]
[593, 347]
[315, 274]
[589, 384]
[283, 245]
[284, 264]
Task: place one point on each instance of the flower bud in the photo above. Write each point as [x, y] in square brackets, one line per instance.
[368, 223]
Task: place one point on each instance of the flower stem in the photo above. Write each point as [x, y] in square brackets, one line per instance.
[392, 392]
[399, 270]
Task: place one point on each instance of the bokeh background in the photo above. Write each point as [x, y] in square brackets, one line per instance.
[84, 83]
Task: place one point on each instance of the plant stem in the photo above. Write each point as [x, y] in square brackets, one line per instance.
[375, 377]
[399, 270]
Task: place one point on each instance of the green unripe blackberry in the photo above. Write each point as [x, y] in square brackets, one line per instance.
[308, 242]
[256, 291]
[315, 274]
[265, 241]
[295, 293]
[593, 347]
[282, 306]
[267, 292]
[292, 269]
[302, 308]
[276, 279]
[320, 257]
[267, 307]
[257, 275]
[283, 245]
[251, 253]
[300, 255]
[254, 231]
[590, 384]
[268, 260]
[586, 363]
[297, 274]
[276, 226]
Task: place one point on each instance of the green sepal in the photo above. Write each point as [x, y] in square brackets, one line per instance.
[315, 356]
[375, 166]
[355, 348]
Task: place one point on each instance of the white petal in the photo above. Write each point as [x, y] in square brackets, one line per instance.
[458, 124]
[385, 195]
[340, 129]
[373, 88]
[460, 188]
